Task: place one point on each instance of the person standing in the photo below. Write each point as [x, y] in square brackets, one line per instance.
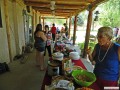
[66, 29]
[58, 30]
[53, 31]
[115, 31]
[40, 42]
[48, 42]
[106, 58]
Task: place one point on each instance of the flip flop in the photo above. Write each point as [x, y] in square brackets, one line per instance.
[42, 69]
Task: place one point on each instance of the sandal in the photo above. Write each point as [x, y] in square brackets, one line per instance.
[42, 69]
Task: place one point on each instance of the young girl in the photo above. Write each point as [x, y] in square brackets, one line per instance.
[48, 42]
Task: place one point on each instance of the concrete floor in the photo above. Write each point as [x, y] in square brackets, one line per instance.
[22, 76]
[27, 76]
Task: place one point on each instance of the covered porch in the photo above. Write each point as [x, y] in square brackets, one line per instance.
[26, 76]
[19, 19]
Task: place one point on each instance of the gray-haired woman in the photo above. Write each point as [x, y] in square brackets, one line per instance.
[106, 57]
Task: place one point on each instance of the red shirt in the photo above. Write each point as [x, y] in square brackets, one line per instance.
[53, 30]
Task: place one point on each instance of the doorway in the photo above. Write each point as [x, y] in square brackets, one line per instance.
[28, 30]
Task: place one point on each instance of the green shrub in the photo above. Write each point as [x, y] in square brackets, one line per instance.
[91, 44]
[81, 45]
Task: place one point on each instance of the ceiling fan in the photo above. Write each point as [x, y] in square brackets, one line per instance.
[52, 5]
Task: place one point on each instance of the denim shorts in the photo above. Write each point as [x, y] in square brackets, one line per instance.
[39, 48]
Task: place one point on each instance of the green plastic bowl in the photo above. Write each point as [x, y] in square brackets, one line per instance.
[89, 75]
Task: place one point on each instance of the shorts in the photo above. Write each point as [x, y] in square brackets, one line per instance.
[38, 48]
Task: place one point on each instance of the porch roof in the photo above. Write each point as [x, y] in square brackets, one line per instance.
[62, 8]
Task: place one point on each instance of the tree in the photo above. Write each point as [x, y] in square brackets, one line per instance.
[80, 20]
[110, 13]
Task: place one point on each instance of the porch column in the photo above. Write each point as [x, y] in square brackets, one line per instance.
[75, 27]
[69, 25]
[40, 19]
[43, 23]
[36, 17]
[89, 22]
[67, 21]
[7, 28]
[33, 23]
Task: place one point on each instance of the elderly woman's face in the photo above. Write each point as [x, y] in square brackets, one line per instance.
[102, 39]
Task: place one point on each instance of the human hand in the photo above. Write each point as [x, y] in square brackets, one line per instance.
[93, 62]
[88, 51]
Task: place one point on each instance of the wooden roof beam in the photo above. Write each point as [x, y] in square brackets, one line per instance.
[56, 10]
[96, 3]
[92, 6]
[63, 1]
[55, 13]
[62, 16]
[58, 6]
[56, 17]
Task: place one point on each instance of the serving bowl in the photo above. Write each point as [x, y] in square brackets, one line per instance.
[83, 77]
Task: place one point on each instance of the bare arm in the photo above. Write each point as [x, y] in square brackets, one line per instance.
[91, 55]
[42, 35]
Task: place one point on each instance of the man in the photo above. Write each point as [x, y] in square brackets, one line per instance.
[66, 29]
[53, 31]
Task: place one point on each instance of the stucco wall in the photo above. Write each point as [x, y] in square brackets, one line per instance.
[4, 53]
[20, 27]
[11, 26]
[16, 27]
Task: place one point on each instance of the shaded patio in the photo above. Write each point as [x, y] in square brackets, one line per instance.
[27, 76]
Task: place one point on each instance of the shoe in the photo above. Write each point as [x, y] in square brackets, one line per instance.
[42, 69]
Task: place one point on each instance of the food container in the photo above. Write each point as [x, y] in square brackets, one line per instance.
[58, 56]
[61, 83]
[83, 77]
[54, 67]
[74, 55]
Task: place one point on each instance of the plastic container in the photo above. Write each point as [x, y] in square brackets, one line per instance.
[74, 55]
[85, 82]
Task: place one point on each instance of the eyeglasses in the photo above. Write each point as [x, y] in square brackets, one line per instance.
[101, 36]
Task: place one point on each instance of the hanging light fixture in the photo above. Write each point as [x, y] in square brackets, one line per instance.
[52, 8]
[96, 18]
[52, 3]
[53, 12]
[97, 12]
[96, 15]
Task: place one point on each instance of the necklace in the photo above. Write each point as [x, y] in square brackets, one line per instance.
[105, 53]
